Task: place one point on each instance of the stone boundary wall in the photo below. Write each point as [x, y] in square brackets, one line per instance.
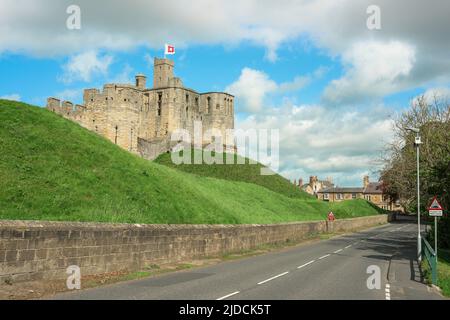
[40, 250]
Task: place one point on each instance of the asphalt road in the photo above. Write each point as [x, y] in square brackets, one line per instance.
[330, 269]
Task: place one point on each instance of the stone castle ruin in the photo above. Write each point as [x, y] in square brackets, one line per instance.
[141, 119]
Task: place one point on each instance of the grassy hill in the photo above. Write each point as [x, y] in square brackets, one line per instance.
[53, 169]
[246, 172]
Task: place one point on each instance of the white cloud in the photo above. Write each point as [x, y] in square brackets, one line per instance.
[435, 94]
[253, 87]
[374, 69]
[316, 140]
[13, 96]
[85, 65]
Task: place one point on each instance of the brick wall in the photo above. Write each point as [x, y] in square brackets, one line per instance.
[35, 250]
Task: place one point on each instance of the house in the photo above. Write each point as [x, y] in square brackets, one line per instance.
[315, 185]
[370, 191]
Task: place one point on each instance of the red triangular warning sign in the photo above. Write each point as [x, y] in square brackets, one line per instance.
[435, 205]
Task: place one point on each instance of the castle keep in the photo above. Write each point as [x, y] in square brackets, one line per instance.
[141, 119]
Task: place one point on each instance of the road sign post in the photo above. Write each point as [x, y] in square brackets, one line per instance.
[435, 210]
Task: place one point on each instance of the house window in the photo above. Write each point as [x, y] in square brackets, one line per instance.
[353, 195]
[326, 196]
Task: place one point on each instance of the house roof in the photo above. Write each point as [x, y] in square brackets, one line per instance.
[374, 187]
[342, 190]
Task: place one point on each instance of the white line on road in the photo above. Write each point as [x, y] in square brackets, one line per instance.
[304, 265]
[277, 276]
[337, 251]
[323, 257]
[348, 246]
[228, 295]
[387, 291]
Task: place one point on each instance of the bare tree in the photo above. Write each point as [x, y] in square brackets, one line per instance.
[399, 172]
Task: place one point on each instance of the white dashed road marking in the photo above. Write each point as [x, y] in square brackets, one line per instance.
[387, 291]
[323, 257]
[228, 295]
[304, 265]
[277, 276]
[348, 246]
[337, 251]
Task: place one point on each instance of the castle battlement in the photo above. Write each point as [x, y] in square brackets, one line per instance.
[132, 115]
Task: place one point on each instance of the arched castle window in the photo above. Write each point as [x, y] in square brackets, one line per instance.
[115, 137]
[187, 98]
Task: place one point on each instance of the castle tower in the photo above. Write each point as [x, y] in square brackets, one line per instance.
[140, 81]
[162, 72]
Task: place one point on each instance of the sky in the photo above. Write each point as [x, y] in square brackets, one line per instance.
[313, 69]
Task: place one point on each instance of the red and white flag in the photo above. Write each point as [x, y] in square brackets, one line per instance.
[169, 49]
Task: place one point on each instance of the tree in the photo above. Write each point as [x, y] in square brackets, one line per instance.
[432, 117]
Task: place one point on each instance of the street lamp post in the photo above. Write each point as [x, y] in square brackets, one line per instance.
[417, 143]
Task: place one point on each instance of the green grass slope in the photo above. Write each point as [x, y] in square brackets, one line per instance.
[246, 172]
[53, 169]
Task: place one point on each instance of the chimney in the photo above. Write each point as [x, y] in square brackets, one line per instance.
[365, 181]
[300, 182]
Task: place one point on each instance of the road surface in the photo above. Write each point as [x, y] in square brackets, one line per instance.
[329, 269]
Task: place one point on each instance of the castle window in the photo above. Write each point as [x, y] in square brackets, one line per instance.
[115, 138]
[217, 106]
[196, 101]
[209, 104]
[187, 98]
[159, 103]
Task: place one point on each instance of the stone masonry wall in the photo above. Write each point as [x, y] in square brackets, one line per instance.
[37, 250]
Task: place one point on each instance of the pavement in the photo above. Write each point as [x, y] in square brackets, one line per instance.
[338, 268]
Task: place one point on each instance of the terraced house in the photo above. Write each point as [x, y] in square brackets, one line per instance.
[370, 191]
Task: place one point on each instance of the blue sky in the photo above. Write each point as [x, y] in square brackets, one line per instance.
[310, 69]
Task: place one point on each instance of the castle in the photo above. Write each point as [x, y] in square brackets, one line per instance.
[141, 119]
